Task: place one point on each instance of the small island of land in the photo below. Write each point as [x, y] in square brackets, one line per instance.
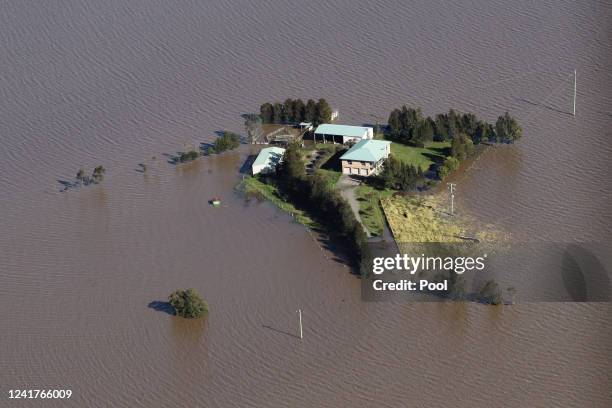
[338, 188]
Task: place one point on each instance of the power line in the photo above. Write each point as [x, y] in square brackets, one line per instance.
[547, 97]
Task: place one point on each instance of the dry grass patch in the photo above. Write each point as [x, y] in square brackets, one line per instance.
[420, 219]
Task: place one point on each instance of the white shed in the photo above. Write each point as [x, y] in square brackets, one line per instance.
[267, 160]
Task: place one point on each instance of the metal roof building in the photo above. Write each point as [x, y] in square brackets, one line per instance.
[366, 157]
[267, 160]
[346, 133]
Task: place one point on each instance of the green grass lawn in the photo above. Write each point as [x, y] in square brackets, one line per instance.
[420, 156]
[327, 146]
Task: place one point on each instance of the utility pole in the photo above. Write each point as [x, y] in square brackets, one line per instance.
[300, 317]
[574, 92]
[452, 186]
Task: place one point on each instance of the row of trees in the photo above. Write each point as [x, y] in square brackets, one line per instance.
[409, 126]
[321, 200]
[227, 141]
[295, 111]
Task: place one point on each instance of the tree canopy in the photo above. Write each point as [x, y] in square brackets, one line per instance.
[409, 126]
[227, 141]
[188, 303]
[295, 111]
[462, 147]
[464, 130]
[254, 131]
[400, 176]
[507, 128]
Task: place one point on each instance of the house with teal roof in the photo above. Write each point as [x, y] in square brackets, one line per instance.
[365, 157]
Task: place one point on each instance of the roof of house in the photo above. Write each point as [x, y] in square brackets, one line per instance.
[367, 150]
[341, 130]
[269, 155]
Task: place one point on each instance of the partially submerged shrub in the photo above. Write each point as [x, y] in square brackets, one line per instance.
[187, 303]
[188, 156]
[491, 293]
[96, 177]
[98, 174]
[227, 141]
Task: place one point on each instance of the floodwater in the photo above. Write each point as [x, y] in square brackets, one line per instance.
[118, 84]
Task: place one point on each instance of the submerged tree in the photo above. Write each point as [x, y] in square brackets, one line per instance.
[507, 128]
[252, 124]
[491, 293]
[227, 141]
[187, 303]
[188, 156]
[98, 174]
[457, 289]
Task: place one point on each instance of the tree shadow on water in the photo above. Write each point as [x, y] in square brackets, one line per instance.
[67, 185]
[160, 306]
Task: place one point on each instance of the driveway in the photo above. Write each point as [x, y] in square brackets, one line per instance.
[346, 186]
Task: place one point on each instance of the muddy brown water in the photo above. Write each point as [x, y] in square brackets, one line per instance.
[119, 84]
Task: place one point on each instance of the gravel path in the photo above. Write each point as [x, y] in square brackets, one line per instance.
[347, 186]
